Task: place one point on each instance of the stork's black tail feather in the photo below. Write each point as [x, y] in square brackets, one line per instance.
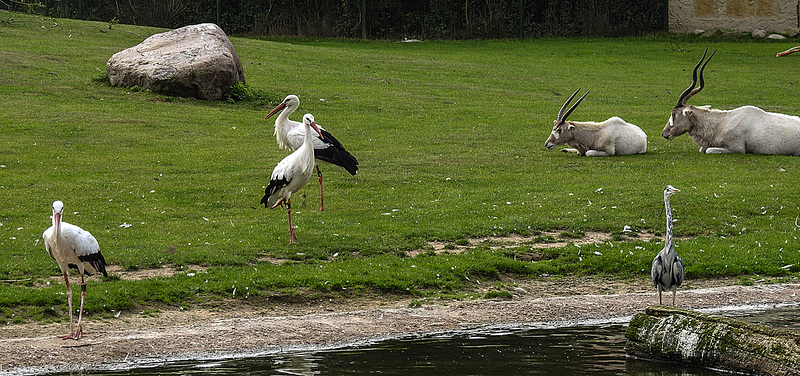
[274, 186]
[96, 260]
[336, 154]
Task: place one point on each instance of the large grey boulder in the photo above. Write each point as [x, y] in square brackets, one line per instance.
[193, 61]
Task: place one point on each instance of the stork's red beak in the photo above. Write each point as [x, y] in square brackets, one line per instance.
[316, 128]
[275, 110]
[57, 217]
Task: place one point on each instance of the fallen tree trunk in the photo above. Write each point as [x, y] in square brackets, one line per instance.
[671, 334]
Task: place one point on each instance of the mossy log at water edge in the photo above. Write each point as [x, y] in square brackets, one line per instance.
[672, 334]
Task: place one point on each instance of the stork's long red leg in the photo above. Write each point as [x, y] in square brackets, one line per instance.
[292, 238]
[79, 327]
[319, 177]
[69, 307]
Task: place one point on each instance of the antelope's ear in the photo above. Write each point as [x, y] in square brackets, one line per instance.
[688, 112]
[570, 127]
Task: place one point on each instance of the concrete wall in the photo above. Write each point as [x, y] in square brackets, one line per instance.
[772, 16]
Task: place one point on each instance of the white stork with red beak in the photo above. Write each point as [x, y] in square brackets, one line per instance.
[292, 173]
[73, 247]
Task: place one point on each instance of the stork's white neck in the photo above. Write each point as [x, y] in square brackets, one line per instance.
[307, 148]
[282, 126]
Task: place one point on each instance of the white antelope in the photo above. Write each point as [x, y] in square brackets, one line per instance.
[747, 129]
[611, 137]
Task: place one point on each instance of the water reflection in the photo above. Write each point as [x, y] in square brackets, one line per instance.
[584, 350]
[784, 317]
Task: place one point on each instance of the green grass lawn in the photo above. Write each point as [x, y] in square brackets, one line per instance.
[450, 139]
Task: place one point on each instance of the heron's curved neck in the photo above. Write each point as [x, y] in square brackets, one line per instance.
[669, 222]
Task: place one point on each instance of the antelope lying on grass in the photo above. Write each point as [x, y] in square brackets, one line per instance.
[611, 137]
[746, 129]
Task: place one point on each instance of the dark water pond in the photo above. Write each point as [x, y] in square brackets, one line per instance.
[579, 350]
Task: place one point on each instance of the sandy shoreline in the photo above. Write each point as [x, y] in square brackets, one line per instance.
[110, 345]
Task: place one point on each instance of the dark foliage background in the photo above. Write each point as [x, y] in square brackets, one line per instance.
[384, 19]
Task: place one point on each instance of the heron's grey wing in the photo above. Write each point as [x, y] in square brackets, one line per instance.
[677, 268]
[656, 269]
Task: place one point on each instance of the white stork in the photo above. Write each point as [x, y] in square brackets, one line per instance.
[291, 134]
[292, 173]
[73, 247]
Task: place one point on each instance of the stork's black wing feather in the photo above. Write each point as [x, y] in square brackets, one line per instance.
[274, 186]
[96, 260]
[336, 154]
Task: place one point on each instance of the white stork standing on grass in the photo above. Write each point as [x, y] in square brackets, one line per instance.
[291, 134]
[73, 247]
[292, 173]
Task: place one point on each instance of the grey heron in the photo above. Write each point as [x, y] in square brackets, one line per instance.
[667, 269]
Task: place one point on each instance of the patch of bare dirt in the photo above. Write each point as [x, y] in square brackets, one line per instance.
[547, 239]
[165, 271]
[233, 329]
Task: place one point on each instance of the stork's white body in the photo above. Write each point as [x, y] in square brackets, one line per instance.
[67, 245]
[72, 246]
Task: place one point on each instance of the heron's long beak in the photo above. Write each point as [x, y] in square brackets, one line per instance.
[275, 110]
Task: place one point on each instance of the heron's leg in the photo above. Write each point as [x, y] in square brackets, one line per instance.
[659, 295]
[292, 238]
[79, 327]
[69, 306]
[319, 177]
[673, 297]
